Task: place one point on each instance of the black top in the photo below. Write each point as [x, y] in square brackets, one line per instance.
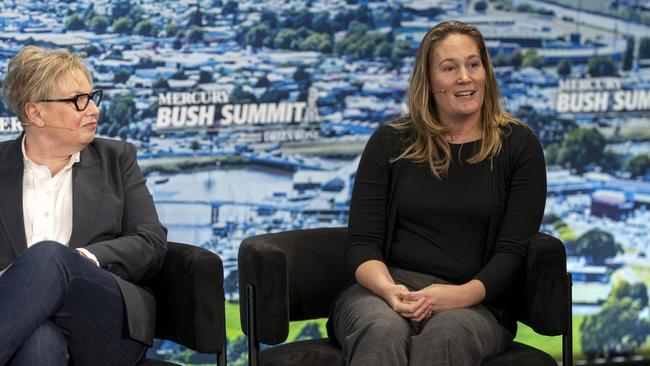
[516, 194]
[442, 225]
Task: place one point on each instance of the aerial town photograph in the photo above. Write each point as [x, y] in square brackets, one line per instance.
[250, 117]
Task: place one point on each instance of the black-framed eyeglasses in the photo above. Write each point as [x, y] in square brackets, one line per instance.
[81, 101]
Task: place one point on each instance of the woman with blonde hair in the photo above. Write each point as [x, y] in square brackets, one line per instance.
[445, 201]
[78, 228]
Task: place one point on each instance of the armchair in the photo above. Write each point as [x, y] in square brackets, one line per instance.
[190, 301]
[296, 275]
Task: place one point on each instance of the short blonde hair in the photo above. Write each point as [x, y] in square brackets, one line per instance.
[35, 73]
[427, 132]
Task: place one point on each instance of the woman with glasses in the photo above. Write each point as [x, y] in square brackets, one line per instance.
[78, 227]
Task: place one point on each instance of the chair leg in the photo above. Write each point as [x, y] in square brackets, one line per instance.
[222, 357]
[253, 345]
[567, 337]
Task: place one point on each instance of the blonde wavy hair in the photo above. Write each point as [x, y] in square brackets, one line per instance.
[427, 142]
[35, 74]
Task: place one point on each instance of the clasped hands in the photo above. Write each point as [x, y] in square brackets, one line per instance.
[422, 304]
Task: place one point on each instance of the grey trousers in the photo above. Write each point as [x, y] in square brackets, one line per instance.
[372, 333]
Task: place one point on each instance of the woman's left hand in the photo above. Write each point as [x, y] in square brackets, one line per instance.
[447, 297]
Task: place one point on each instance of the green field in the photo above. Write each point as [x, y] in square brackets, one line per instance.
[551, 345]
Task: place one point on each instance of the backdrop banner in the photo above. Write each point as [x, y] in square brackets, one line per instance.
[250, 117]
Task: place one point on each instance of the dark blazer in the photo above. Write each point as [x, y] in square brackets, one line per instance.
[113, 217]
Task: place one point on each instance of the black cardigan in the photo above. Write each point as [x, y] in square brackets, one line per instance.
[519, 192]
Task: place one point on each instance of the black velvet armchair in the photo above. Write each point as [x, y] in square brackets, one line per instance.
[190, 302]
[296, 275]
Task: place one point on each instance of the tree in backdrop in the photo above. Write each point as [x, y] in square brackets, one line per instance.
[121, 76]
[401, 50]
[501, 59]
[99, 24]
[638, 166]
[119, 113]
[171, 30]
[637, 291]
[146, 28]
[255, 36]
[320, 22]
[286, 39]
[564, 67]
[597, 246]
[122, 25]
[581, 148]
[295, 18]
[532, 59]
[601, 66]
[549, 129]
[618, 328]
[270, 18]
[74, 22]
[321, 42]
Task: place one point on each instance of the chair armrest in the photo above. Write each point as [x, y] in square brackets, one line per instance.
[264, 267]
[190, 299]
[295, 276]
[545, 301]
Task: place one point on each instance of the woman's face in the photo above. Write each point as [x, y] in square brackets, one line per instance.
[457, 69]
[62, 121]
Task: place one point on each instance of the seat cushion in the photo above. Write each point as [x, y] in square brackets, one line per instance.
[150, 362]
[322, 352]
[520, 354]
[303, 353]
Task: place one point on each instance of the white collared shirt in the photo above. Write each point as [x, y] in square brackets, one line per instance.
[47, 203]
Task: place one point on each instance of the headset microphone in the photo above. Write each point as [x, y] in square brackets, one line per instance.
[48, 126]
[439, 91]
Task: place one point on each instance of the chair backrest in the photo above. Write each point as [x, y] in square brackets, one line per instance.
[190, 299]
[312, 261]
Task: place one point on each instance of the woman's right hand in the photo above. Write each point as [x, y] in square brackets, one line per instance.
[374, 276]
[397, 298]
[393, 294]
